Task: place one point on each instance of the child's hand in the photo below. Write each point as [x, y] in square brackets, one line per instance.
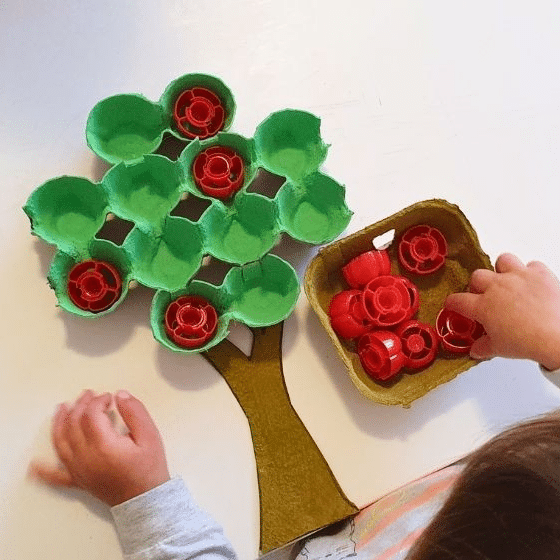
[519, 307]
[98, 458]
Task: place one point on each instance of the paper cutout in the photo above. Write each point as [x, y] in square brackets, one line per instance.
[298, 491]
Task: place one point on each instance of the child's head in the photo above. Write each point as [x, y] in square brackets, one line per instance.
[506, 503]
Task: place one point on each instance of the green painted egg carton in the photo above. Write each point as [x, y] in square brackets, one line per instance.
[163, 249]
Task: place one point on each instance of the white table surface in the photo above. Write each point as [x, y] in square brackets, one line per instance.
[418, 99]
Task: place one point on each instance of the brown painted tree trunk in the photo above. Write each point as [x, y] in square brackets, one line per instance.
[298, 491]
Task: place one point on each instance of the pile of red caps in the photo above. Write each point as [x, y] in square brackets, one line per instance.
[378, 311]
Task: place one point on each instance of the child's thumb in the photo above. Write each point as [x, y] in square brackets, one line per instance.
[136, 417]
[482, 348]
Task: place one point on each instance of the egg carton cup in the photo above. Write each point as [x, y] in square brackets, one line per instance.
[324, 279]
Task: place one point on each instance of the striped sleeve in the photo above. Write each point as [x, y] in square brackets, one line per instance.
[386, 529]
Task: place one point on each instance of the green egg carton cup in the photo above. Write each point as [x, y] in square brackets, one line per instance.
[324, 279]
[67, 212]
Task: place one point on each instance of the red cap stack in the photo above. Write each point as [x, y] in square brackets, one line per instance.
[218, 171]
[94, 285]
[198, 112]
[457, 333]
[348, 316]
[420, 343]
[390, 300]
[381, 354]
[422, 249]
[365, 267]
[190, 321]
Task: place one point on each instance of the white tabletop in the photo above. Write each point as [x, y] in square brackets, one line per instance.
[418, 100]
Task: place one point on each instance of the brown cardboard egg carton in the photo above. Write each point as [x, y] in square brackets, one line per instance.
[324, 279]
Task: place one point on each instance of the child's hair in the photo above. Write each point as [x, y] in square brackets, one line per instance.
[506, 502]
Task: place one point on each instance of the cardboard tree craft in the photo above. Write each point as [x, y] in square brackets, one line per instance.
[164, 250]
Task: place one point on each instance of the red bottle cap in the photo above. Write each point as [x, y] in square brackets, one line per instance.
[94, 285]
[456, 332]
[198, 112]
[419, 342]
[218, 171]
[422, 249]
[190, 321]
[413, 293]
[365, 267]
[388, 300]
[381, 354]
[347, 314]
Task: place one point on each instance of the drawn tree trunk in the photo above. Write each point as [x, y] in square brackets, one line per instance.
[298, 491]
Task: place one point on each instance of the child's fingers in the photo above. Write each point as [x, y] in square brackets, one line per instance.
[58, 434]
[94, 422]
[480, 280]
[508, 262]
[541, 267]
[137, 419]
[53, 476]
[464, 303]
[482, 348]
[74, 432]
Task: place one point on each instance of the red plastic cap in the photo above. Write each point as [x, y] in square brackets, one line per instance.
[456, 332]
[365, 267]
[218, 171]
[190, 321]
[422, 249]
[381, 354]
[388, 300]
[413, 293]
[198, 112]
[419, 343]
[94, 285]
[347, 314]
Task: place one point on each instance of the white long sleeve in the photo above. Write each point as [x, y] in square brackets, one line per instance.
[166, 524]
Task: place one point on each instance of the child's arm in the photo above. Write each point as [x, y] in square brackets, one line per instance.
[519, 307]
[155, 515]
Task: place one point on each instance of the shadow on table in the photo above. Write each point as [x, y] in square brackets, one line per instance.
[99, 336]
